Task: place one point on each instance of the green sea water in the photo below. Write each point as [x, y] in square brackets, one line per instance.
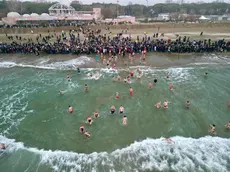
[42, 136]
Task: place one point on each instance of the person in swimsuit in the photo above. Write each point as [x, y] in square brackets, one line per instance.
[2, 147]
[117, 95]
[187, 104]
[70, 109]
[113, 78]
[228, 125]
[86, 88]
[78, 70]
[158, 105]
[61, 91]
[112, 109]
[118, 78]
[170, 86]
[212, 130]
[167, 76]
[81, 129]
[96, 114]
[89, 120]
[87, 134]
[169, 140]
[165, 104]
[91, 75]
[128, 79]
[124, 120]
[121, 109]
[150, 85]
[130, 91]
[131, 74]
[68, 78]
[229, 104]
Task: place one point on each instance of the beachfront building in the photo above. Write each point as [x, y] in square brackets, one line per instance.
[163, 16]
[61, 10]
[59, 14]
[121, 19]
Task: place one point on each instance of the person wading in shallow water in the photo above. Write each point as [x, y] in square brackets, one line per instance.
[212, 130]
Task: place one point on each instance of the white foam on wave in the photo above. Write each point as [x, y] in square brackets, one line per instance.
[42, 64]
[7, 64]
[186, 154]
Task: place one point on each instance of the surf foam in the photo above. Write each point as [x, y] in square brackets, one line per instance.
[186, 154]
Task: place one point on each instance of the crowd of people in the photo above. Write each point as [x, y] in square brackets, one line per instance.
[93, 42]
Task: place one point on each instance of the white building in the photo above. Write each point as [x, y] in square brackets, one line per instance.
[163, 16]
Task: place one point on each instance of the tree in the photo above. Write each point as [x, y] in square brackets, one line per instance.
[107, 13]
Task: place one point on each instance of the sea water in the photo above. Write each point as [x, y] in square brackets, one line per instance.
[42, 136]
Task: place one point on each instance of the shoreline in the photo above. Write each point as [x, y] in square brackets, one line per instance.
[159, 60]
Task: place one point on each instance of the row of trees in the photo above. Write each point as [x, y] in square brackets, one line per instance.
[110, 10]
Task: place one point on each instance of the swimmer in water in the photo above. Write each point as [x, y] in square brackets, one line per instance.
[81, 129]
[113, 78]
[112, 109]
[91, 75]
[187, 104]
[89, 120]
[212, 130]
[78, 70]
[86, 88]
[150, 85]
[124, 120]
[167, 76]
[229, 104]
[228, 125]
[128, 79]
[130, 91]
[206, 73]
[68, 78]
[118, 77]
[70, 109]
[87, 134]
[96, 114]
[169, 140]
[61, 91]
[131, 74]
[158, 105]
[165, 104]
[170, 86]
[121, 109]
[3, 147]
[117, 95]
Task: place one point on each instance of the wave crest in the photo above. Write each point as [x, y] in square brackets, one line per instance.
[186, 154]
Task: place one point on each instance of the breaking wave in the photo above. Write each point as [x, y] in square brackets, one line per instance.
[183, 154]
